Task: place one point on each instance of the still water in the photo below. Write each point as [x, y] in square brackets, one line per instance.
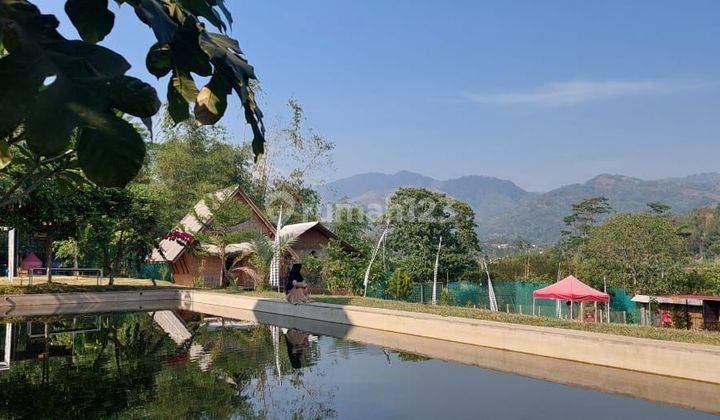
[179, 364]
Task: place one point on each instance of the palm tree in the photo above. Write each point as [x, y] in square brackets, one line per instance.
[256, 261]
[222, 228]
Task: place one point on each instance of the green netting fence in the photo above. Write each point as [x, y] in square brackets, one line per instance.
[512, 296]
[156, 271]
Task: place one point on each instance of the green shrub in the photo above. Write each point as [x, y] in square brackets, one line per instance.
[445, 298]
[399, 285]
[312, 268]
[680, 317]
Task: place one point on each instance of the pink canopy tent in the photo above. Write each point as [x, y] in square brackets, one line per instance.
[571, 289]
[30, 261]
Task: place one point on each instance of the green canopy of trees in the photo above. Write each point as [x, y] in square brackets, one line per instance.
[640, 252]
[418, 218]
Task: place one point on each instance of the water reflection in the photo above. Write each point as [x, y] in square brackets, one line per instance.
[180, 364]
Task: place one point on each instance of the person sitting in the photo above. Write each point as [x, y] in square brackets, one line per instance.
[296, 290]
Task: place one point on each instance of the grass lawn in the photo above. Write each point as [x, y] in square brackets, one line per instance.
[67, 284]
[629, 330]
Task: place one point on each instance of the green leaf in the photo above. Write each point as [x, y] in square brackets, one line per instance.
[133, 96]
[98, 61]
[188, 56]
[177, 105]
[205, 9]
[211, 102]
[20, 78]
[221, 48]
[159, 60]
[225, 11]
[153, 14]
[5, 156]
[111, 154]
[185, 85]
[91, 18]
[49, 123]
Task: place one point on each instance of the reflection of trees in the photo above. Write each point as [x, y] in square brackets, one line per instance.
[246, 359]
[130, 368]
[102, 374]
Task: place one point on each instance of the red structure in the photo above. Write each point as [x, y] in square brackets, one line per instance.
[571, 289]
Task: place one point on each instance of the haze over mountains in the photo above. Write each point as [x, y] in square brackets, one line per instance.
[505, 211]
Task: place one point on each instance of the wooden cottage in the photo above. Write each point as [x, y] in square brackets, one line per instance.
[188, 267]
[700, 311]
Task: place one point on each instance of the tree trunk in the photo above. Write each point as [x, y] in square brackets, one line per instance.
[222, 265]
[48, 259]
[119, 254]
[75, 264]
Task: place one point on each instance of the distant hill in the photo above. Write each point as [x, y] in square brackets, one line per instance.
[505, 211]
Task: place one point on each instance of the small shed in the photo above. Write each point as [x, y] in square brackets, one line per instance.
[703, 311]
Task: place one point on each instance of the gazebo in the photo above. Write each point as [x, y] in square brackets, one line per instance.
[573, 290]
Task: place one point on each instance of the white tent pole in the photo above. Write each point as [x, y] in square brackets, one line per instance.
[435, 272]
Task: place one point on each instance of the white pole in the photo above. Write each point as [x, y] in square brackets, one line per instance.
[372, 257]
[607, 304]
[437, 262]
[275, 263]
[11, 255]
[558, 308]
[491, 290]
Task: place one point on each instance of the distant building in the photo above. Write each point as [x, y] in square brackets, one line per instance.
[703, 311]
[186, 267]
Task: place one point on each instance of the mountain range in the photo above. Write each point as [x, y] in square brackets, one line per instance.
[505, 211]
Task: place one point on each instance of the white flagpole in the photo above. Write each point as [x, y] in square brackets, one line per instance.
[372, 258]
[435, 271]
[275, 263]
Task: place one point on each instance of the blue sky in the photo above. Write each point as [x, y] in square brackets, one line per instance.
[543, 93]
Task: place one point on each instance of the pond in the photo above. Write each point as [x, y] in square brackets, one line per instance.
[180, 364]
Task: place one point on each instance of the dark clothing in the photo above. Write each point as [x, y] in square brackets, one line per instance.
[293, 275]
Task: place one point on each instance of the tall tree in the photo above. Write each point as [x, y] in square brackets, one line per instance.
[418, 218]
[120, 227]
[343, 269]
[298, 158]
[585, 214]
[702, 230]
[642, 252]
[192, 161]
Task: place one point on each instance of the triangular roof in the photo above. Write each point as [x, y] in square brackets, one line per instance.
[298, 229]
[170, 250]
[570, 288]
